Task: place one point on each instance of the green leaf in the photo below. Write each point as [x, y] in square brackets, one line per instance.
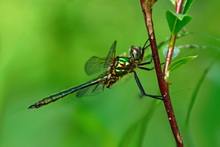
[187, 5]
[195, 93]
[129, 135]
[173, 2]
[178, 63]
[177, 21]
[136, 133]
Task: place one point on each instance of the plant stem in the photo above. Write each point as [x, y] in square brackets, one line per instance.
[169, 54]
[163, 85]
[172, 41]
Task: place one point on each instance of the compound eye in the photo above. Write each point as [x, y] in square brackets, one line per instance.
[135, 52]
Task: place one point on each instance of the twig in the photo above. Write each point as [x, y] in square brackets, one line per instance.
[172, 41]
[163, 85]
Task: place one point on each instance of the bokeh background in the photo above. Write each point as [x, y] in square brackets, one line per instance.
[44, 46]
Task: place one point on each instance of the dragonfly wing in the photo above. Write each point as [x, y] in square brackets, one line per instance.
[111, 55]
[92, 90]
[94, 65]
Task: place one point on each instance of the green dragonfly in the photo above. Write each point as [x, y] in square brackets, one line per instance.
[115, 68]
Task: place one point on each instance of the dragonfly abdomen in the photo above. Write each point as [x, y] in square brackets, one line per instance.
[51, 98]
[63, 93]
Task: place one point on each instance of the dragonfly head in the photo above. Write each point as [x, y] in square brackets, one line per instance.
[136, 53]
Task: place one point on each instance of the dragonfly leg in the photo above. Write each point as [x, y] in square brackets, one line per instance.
[144, 48]
[145, 45]
[145, 68]
[142, 89]
[145, 63]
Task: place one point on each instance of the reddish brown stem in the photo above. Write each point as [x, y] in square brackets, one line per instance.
[164, 86]
[179, 6]
[169, 54]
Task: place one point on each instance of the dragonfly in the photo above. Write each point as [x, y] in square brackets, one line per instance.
[115, 68]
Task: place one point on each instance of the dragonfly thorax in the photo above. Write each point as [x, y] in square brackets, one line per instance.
[123, 66]
[120, 67]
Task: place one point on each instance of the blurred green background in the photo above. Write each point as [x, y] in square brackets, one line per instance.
[44, 46]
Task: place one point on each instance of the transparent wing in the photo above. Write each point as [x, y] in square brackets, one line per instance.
[96, 64]
[111, 55]
[93, 90]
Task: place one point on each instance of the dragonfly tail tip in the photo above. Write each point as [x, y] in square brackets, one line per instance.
[31, 107]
